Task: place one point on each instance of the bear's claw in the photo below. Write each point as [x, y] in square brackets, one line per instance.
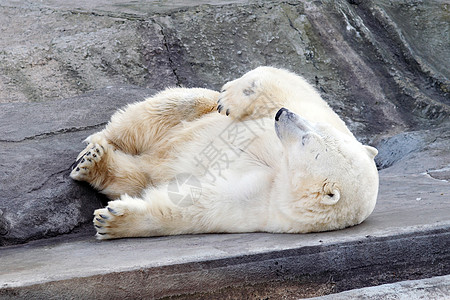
[75, 164]
[103, 217]
[112, 211]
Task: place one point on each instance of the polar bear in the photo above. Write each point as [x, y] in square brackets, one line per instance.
[276, 158]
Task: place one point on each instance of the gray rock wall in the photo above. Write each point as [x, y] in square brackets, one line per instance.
[38, 144]
[65, 67]
[379, 63]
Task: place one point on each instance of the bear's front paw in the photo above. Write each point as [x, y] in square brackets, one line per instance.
[83, 167]
[246, 98]
[110, 221]
[126, 217]
[236, 98]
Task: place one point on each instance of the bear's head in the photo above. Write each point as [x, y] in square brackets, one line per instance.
[333, 178]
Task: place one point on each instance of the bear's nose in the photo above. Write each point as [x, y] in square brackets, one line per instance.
[278, 115]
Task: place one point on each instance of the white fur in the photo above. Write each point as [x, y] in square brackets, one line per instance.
[305, 172]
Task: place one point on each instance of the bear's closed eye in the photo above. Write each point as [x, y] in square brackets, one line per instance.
[305, 139]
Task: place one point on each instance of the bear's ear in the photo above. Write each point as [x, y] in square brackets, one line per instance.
[331, 195]
[371, 151]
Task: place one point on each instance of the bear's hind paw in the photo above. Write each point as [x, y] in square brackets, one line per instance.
[82, 168]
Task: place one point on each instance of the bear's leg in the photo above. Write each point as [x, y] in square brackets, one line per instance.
[130, 145]
[159, 212]
[109, 170]
[136, 217]
[141, 127]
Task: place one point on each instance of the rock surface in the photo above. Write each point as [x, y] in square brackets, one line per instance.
[65, 67]
[383, 65]
[39, 142]
[433, 288]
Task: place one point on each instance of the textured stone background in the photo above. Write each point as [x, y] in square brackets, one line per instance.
[384, 66]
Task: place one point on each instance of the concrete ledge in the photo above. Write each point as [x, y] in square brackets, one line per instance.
[431, 288]
[239, 265]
